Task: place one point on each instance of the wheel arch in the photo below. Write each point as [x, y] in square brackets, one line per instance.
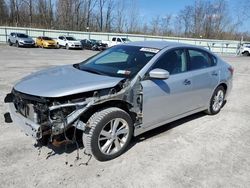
[107, 104]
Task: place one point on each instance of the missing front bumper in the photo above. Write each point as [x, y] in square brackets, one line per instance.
[29, 127]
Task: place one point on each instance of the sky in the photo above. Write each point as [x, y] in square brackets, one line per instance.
[150, 8]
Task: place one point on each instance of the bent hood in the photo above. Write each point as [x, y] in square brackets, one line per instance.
[63, 81]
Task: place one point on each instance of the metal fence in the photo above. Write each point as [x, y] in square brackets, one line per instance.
[217, 46]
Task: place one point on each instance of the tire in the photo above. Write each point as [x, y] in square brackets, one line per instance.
[67, 46]
[217, 101]
[10, 44]
[58, 46]
[17, 44]
[246, 53]
[101, 139]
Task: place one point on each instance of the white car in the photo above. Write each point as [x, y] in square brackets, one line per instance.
[116, 41]
[68, 42]
[245, 49]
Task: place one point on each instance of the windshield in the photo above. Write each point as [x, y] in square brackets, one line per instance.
[22, 35]
[70, 38]
[119, 61]
[47, 38]
[125, 39]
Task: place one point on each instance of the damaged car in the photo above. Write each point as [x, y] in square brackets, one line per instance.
[119, 93]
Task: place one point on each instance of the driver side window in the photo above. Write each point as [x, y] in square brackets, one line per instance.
[174, 61]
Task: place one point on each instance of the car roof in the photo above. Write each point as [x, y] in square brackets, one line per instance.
[18, 33]
[158, 44]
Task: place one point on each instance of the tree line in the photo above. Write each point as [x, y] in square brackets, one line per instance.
[202, 19]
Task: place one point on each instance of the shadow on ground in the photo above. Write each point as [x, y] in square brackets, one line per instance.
[71, 147]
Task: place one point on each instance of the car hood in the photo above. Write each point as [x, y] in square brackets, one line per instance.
[49, 41]
[25, 39]
[62, 81]
[74, 42]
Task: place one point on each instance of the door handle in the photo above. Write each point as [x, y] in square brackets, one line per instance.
[186, 82]
[214, 74]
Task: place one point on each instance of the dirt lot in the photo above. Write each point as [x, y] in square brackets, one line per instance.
[197, 151]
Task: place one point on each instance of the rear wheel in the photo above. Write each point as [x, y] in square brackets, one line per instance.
[216, 101]
[9, 42]
[246, 53]
[110, 133]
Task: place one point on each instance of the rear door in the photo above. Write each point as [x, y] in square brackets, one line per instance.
[205, 75]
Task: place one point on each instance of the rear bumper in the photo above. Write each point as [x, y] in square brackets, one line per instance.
[29, 127]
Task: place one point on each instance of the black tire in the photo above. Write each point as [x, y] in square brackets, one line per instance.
[10, 44]
[212, 110]
[95, 142]
[246, 53]
[58, 46]
[17, 44]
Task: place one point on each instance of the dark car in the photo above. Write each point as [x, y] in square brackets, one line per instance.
[92, 44]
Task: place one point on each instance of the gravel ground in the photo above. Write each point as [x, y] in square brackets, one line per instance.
[197, 151]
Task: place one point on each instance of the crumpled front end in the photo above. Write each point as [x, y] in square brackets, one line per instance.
[42, 117]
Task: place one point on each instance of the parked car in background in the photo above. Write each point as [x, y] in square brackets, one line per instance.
[245, 49]
[68, 42]
[20, 39]
[92, 44]
[45, 42]
[121, 92]
[116, 40]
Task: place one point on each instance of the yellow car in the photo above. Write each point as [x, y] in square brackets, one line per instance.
[45, 42]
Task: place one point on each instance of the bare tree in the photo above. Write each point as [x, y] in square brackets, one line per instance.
[109, 15]
[3, 12]
[155, 25]
[165, 24]
[133, 17]
[120, 16]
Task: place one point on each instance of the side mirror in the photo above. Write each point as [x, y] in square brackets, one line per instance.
[160, 74]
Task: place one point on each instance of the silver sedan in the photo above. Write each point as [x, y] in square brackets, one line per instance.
[119, 93]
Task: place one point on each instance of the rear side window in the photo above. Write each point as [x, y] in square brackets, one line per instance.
[199, 60]
[119, 40]
[114, 39]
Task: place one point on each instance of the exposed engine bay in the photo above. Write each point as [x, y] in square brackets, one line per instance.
[57, 120]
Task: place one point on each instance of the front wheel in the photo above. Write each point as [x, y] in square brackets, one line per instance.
[216, 101]
[17, 44]
[110, 133]
[67, 46]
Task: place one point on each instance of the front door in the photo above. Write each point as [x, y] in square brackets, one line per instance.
[165, 99]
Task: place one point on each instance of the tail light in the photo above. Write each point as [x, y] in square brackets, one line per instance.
[231, 70]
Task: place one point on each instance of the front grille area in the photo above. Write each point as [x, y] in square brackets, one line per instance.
[29, 107]
[28, 42]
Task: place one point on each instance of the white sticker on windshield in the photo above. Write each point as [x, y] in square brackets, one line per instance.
[152, 50]
[126, 72]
